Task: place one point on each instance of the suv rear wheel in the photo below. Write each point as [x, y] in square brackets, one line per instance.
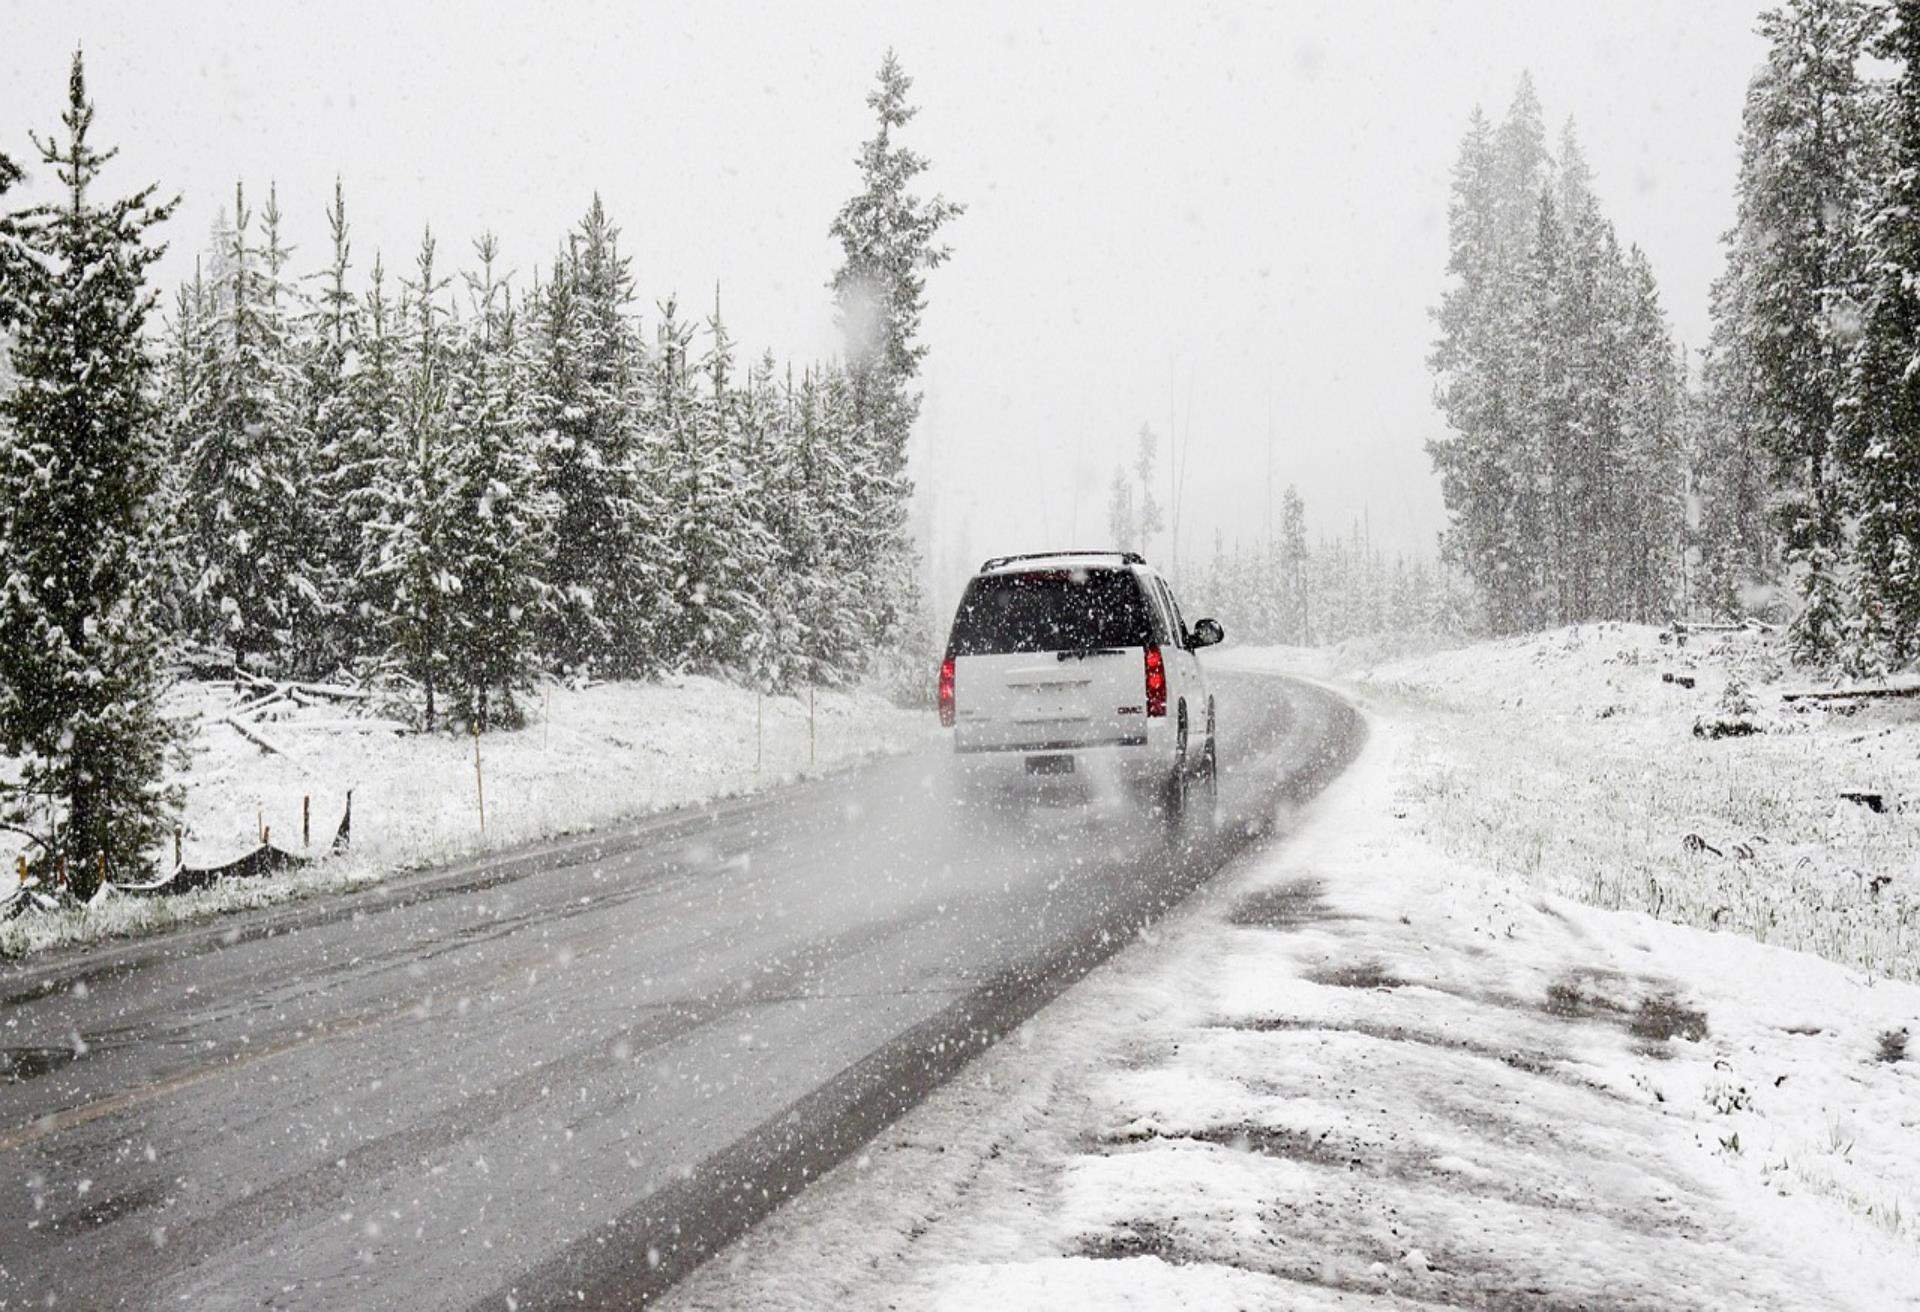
[1175, 791]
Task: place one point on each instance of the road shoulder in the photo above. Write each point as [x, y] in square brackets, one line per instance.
[1353, 1072]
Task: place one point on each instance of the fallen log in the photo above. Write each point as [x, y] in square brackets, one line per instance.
[330, 691]
[366, 724]
[1852, 694]
[255, 737]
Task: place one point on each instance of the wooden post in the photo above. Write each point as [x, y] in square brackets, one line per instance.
[479, 780]
[260, 823]
[21, 870]
[103, 872]
[306, 821]
[63, 870]
[177, 861]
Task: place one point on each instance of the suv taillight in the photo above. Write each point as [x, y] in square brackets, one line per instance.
[1156, 682]
[946, 693]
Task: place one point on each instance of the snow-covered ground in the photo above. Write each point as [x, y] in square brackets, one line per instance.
[1570, 759]
[1363, 1071]
[587, 758]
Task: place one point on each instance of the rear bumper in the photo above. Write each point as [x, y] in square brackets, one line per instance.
[1123, 761]
[963, 748]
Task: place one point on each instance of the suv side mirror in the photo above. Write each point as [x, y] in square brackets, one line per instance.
[1206, 633]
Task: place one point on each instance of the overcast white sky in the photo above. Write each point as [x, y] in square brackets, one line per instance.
[1242, 203]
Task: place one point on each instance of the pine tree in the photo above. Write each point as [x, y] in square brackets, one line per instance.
[255, 584]
[415, 494]
[889, 238]
[1488, 464]
[1808, 129]
[1881, 433]
[81, 452]
[184, 352]
[730, 576]
[1653, 419]
[1731, 468]
[329, 355]
[588, 396]
[497, 521]
[366, 463]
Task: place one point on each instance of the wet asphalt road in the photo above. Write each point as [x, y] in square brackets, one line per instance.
[567, 1075]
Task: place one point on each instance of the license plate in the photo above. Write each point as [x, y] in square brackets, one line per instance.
[1049, 765]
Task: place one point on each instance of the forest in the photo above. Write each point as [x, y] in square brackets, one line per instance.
[1593, 472]
[429, 476]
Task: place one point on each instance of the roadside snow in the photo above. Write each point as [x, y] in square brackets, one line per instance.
[588, 758]
[1569, 759]
[1356, 1072]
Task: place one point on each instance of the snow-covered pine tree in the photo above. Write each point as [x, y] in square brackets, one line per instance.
[1486, 474]
[254, 582]
[889, 238]
[1881, 426]
[682, 475]
[1731, 475]
[81, 451]
[183, 354]
[306, 648]
[364, 465]
[1651, 481]
[1808, 131]
[860, 609]
[1542, 456]
[588, 393]
[415, 492]
[765, 448]
[340, 468]
[498, 518]
[1594, 511]
[724, 584]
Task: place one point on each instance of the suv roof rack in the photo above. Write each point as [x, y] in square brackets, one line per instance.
[995, 562]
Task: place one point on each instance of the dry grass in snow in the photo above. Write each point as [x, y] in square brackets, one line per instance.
[1570, 760]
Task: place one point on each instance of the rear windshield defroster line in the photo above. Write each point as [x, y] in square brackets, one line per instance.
[1050, 610]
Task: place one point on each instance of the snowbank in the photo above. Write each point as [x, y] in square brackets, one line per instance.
[588, 758]
[1356, 1072]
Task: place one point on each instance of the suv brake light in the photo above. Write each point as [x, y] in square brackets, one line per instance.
[1156, 683]
[946, 693]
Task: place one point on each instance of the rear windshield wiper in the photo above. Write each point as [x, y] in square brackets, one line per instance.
[1085, 652]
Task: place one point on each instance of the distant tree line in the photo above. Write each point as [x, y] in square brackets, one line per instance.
[436, 475]
[1286, 590]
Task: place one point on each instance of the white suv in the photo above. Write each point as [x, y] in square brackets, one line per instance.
[1080, 664]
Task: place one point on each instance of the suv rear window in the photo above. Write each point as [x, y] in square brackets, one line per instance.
[1050, 610]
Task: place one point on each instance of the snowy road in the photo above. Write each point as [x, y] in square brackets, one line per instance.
[482, 1088]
